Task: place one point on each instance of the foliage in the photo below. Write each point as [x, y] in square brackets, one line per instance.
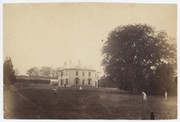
[106, 82]
[139, 58]
[9, 73]
[34, 71]
[46, 71]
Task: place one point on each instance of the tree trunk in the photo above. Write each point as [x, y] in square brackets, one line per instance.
[134, 88]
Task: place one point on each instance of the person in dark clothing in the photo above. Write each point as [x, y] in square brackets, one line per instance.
[152, 116]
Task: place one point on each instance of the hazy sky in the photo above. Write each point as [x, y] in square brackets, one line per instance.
[50, 34]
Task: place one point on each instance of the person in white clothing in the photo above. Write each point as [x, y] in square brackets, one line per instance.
[144, 96]
[165, 95]
[80, 88]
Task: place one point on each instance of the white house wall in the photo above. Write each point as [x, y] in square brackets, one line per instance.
[71, 75]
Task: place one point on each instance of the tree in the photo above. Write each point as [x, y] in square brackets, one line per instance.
[9, 73]
[54, 72]
[134, 56]
[34, 71]
[46, 71]
[105, 82]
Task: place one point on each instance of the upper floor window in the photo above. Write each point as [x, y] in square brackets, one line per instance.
[62, 73]
[76, 73]
[83, 73]
[66, 73]
[89, 73]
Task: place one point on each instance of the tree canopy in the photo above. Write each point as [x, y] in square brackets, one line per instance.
[9, 73]
[139, 58]
[46, 71]
[34, 71]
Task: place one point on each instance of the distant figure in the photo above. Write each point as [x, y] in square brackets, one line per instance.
[144, 96]
[80, 88]
[165, 95]
[55, 92]
[152, 116]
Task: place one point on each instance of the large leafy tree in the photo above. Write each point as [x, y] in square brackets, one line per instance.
[136, 56]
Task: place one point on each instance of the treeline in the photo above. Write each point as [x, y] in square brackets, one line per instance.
[44, 71]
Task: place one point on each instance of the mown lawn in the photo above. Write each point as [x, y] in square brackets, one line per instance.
[40, 103]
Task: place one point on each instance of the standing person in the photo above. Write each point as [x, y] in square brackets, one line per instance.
[152, 116]
[80, 88]
[165, 95]
[144, 96]
[55, 92]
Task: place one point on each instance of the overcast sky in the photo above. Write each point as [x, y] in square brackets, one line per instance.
[51, 34]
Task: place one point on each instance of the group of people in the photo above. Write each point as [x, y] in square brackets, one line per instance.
[145, 96]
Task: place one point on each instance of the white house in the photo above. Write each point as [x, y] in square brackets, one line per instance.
[77, 76]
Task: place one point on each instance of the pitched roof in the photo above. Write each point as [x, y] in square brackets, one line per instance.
[76, 68]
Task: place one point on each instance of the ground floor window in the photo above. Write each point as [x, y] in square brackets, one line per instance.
[89, 81]
[66, 81]
[76, 81]
[61, 82]
[83, 82]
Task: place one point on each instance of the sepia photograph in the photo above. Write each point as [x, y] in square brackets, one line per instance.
[65, 61]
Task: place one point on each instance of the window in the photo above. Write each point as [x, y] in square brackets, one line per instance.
[83, 83]
[83, 73]
[61, 82]
[76, 73]
[66, 73]
[89, 81]
[62, 73]
[76, 81]
[66, 81]
[89, 73]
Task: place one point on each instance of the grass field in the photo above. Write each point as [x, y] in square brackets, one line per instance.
[38, 102]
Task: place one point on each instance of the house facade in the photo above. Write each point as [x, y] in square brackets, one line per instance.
[76, 76]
